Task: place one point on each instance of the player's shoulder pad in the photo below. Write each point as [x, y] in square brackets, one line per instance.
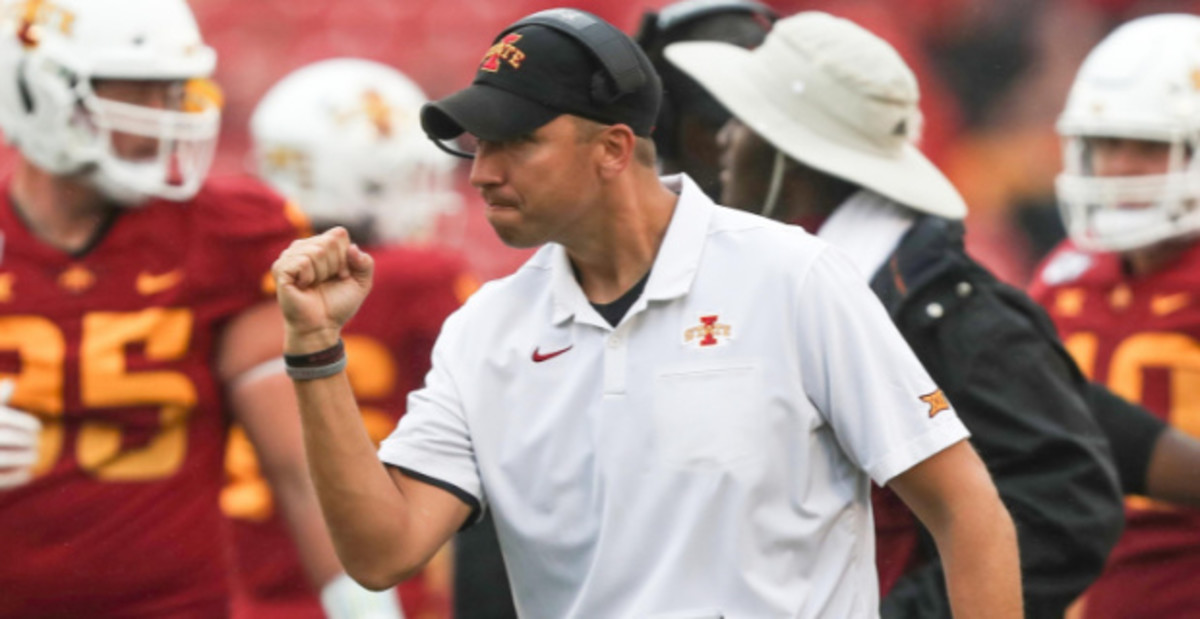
[406, 268]
[1065, 265]
[414, 261]
[242, 208]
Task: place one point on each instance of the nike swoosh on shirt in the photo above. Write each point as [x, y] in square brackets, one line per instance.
[149, 283]
[538, 357]
[1163, 304]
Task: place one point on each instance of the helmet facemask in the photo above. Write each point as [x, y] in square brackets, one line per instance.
[177, 143]
[1121, 213]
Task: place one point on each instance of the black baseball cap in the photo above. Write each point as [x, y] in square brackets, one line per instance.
[542, 67]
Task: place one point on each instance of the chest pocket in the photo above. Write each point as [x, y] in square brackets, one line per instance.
[709, 418]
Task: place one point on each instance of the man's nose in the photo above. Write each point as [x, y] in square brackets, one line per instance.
[486, 170]
[159, 98]
[1121, 161]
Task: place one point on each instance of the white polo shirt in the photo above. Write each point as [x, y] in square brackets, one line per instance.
[706, 457]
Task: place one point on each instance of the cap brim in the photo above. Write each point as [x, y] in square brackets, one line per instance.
[733, 77]
[485, 112]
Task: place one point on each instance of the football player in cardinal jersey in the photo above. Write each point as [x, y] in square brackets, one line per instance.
[1124, 291]
[341, 138]
[134, 323]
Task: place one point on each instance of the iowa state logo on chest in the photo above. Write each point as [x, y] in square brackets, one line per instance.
[710, 332]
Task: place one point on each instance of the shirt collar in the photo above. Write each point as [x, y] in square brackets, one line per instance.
[867, 228]
[674, 266]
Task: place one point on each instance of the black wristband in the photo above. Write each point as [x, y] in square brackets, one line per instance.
[320, 371]
[328, 356]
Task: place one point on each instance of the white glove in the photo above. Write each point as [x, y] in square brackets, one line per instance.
[18, 441]
[343, 598]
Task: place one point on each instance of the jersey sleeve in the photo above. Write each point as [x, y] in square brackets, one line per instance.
[885, 410]
[432, 442]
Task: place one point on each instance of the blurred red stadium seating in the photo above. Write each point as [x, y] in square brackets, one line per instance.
[439, 42]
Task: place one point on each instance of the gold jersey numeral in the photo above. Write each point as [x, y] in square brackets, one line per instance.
[106, 382]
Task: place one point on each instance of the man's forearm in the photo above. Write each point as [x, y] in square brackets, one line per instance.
[384, 526]
[978, 547]
[1174, 471]
[364, 510]
[953, 496]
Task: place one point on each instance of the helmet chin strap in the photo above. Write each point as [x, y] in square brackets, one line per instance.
[776, 186]
[117, 193]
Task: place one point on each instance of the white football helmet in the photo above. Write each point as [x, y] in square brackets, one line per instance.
[1142, 82]
[342, 138]
[52, 51]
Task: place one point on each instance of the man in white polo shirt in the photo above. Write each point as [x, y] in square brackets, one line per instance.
[673, 409]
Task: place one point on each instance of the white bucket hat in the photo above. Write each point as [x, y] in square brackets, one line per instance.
[833, 96]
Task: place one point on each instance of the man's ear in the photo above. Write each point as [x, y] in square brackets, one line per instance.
[617, 144]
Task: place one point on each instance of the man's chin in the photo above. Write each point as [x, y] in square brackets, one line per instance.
[514, 237]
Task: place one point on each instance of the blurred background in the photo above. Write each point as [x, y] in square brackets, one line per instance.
[993, 74]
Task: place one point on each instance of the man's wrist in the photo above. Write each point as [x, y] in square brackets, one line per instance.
[308, 342]
[316, 365]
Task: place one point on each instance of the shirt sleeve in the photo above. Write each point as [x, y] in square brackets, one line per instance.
[432, 442]
[885, 410]
[1132, 431]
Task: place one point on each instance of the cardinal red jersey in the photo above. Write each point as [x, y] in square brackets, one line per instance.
[1141, 337]
[111, 348]
[897, 541]
[388, 346]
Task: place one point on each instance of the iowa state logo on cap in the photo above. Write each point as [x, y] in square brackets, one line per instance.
[504, 49]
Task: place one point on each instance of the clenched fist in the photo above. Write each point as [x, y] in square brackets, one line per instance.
[320, 281]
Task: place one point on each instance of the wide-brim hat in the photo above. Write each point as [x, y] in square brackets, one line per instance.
[832, 96]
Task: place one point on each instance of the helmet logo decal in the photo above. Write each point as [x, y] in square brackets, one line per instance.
[34, 15]
[378, 112]
[283, 159]
[505, 49]
[376, 109]
[1195, 78]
